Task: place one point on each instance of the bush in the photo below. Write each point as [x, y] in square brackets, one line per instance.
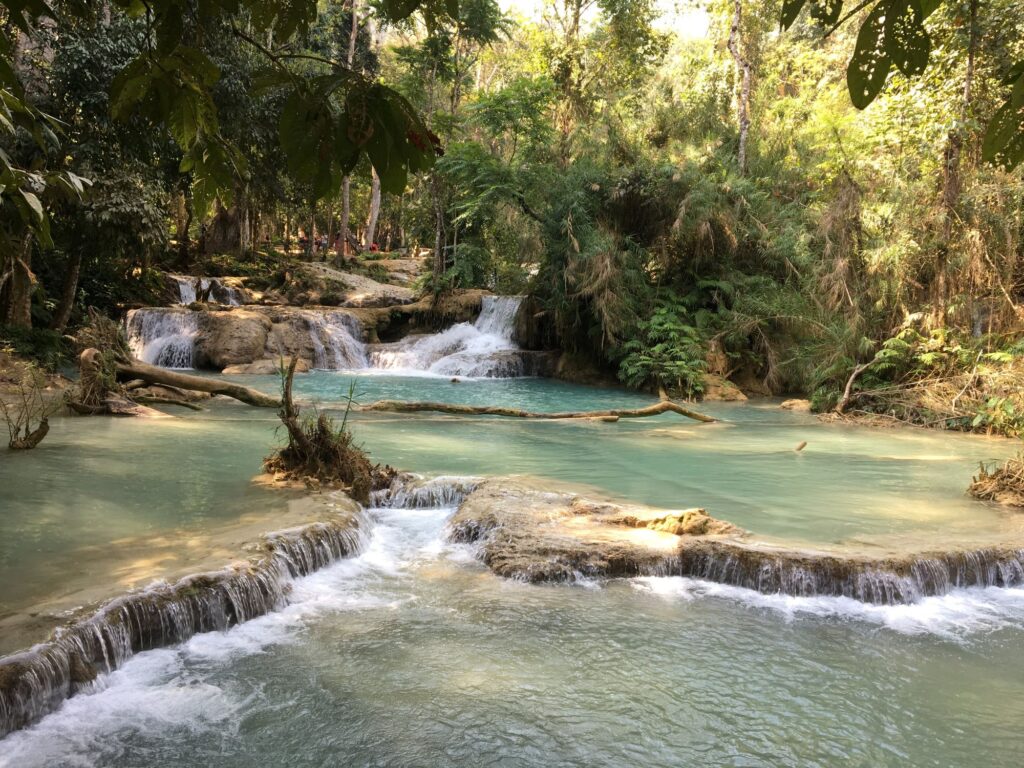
[48, 349]
[668, 351]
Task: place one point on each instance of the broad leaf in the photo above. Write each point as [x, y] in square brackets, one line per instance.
[906, 41]
[869, 67]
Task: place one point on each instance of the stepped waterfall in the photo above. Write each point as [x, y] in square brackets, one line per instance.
[481, 349]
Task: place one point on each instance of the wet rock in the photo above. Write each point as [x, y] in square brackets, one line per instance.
[796, 404]
[231, 338]
[720, 389]
[689, 522]
[81, 671]
[537, 535]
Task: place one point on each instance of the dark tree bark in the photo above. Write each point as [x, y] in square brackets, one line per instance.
[62, 314]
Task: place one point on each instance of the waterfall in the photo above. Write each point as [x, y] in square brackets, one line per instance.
[482, 349]
[163, 337]
[335, 337]
[409, 491]
[218, 290]
[498, 316]
[889, 581]
[36, 681]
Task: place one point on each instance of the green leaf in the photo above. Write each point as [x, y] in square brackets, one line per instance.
[1003, 143]
[870, 64]
[33, 202]
[906, 40]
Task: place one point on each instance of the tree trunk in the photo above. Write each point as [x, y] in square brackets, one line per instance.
[152, 374]
[665, 406]
[743, 105]
[371, 220]
[20, 283]
[951, 183]
[62, 314]
[224, 233]
[439, 234]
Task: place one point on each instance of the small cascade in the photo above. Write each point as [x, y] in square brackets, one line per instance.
[215, 288]
[336, 341]
[35, 682]
[409, 491]
[164, 337]
[891, 581]
[483, 349]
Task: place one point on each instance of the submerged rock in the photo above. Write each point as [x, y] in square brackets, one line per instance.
[266, 367]
[796, 404]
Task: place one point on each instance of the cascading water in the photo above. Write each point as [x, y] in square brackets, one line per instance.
[335, 337]
[34, 683]
[210, 286]
[898, 580]
[483, 349]
[163, 337]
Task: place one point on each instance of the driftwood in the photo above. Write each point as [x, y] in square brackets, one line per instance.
[152, 374]
[665, 406]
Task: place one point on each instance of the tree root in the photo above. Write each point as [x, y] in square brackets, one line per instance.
[665, 406]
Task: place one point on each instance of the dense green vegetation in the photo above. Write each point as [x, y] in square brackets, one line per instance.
[677, 205]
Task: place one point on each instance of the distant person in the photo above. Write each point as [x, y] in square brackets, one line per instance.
[374, 248]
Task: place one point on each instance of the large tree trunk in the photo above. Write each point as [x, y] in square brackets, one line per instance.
[62, 314]
[224, 232]
[743, 102]
[371, 220]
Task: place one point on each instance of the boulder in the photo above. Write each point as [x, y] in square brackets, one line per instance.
[719, 388]
[231, 338]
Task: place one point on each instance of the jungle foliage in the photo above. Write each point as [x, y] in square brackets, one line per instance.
[783, 199]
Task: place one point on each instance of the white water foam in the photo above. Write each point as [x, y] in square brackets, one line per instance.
[483, 349]
[335, 337]
[952, 616]
[163, 337]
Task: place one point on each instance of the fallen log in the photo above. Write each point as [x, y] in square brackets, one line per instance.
[152, 374]
[665, 406]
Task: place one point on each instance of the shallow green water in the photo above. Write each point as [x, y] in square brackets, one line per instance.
[97, 480]
[848, 482]
[412, 654]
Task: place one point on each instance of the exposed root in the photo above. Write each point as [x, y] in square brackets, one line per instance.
[319, 450]
[1003, 484]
